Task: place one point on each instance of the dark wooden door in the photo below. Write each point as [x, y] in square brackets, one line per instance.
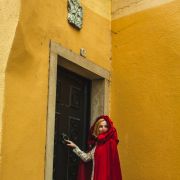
[72, 118]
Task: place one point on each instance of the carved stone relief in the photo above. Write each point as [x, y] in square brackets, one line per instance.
[75, 13]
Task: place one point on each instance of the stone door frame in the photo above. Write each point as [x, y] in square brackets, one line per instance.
[100, 91]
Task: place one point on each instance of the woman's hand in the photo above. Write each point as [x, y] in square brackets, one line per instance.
[70, 144]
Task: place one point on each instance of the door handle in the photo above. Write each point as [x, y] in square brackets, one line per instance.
[63, 137]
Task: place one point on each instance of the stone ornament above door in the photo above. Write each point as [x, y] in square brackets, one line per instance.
[75, 13]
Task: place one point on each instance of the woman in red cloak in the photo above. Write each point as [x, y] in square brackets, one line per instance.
[103, 154]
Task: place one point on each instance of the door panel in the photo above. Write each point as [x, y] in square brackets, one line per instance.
[72, 117]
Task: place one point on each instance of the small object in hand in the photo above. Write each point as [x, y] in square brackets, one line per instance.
[64, 137]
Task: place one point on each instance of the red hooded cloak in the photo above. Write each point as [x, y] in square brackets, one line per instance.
[106, 158]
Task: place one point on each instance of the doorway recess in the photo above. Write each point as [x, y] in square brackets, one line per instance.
[100, 80]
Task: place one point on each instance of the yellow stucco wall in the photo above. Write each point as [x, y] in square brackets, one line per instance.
[26, 81]
[146, 80]
[9, 13]
[122, 8]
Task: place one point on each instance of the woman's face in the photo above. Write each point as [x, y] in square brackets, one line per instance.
[103, 127]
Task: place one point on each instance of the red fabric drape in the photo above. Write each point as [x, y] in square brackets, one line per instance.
[106, 158]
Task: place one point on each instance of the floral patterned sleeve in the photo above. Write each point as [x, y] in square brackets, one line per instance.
[84, 156]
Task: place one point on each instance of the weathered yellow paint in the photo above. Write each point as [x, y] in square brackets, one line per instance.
[125, 7]
[103, 8]
[24, 128]
[146, 92]
[9, 13]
